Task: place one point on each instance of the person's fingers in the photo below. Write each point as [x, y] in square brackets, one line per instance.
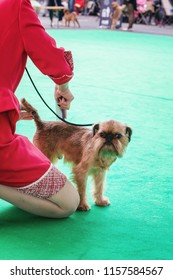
[64, 104]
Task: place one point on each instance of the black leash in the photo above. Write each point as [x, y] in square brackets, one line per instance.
[88, 124]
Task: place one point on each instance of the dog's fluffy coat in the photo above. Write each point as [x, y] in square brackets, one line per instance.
[91, 151]
[70, 17]
[116, 14]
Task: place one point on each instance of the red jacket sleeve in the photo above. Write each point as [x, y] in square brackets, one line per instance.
[41, 47]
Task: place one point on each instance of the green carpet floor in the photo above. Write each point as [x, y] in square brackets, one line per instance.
[123, 76]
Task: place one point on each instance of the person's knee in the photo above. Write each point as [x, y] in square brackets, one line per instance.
[71, 206]
[69, 209]
[67, 199]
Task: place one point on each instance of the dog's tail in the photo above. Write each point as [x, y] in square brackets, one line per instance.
[30, 109]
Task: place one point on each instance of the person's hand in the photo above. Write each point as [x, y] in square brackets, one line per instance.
[24, 115]
[63, 97]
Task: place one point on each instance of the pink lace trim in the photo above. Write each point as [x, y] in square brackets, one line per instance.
[50, 183]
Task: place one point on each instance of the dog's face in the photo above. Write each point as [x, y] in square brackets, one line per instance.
[114, 5]
[66, 12]
[110, 140]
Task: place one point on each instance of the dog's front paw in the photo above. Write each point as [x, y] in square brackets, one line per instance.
[83, 207]
[102, 201]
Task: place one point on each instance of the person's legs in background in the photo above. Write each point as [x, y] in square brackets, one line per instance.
[60, 16]
[71, 5]
[51, 17]
[131, 16]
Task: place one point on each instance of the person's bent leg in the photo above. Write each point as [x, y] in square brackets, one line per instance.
[61, 205]
[67, 198]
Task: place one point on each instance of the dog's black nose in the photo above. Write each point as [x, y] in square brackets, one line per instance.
[109, 137]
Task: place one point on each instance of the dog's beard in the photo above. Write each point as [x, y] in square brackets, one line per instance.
[107, 155]
[108, 152]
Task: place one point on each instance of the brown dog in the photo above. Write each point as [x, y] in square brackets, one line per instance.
[115, 15]
[91, 151]
[68, 17]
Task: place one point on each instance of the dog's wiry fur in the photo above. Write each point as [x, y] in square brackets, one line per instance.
[91, 151]
[116, 14]
[70, 17]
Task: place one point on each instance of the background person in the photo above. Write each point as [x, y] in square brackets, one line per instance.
[131, 7]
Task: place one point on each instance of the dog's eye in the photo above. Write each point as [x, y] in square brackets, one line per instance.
[118, 135]
[103, 134]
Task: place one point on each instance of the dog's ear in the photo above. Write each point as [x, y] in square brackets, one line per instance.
[95, 128]
[129, 132]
